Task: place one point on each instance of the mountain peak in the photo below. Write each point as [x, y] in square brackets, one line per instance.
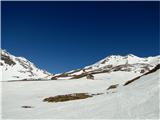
[131, 55]
[16, 68]
[121, 56]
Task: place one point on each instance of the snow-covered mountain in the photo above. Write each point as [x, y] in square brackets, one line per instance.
[18, 68]
[114, 63]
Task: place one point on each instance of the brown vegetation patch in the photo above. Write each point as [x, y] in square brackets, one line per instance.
[79, 76]
[68, 97]
[63, 75]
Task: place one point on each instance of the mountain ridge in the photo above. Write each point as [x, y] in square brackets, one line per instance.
[113, 63]
[24, 69]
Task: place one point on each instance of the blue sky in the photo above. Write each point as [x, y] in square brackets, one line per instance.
[61, 36]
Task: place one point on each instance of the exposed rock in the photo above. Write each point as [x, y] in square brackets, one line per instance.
[125, 67]
[20, 67]
[130, 81]
[1, 64]
[54, 78]
[142, 71]
[27, 107]
[151, 71]
[112, 87]
[103, 62]
[7, 60]
[90, 76]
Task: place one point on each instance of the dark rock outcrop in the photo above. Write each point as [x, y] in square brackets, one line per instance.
[7, 60]
[112, 87]
[90, 76]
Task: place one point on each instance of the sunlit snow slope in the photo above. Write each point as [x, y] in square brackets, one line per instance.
[18, 68]
[139, 99]
[114, 63]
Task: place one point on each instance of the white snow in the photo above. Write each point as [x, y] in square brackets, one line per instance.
[116, 60]
[136, 100]
[135, 64]
[23, 69]
[139, 99]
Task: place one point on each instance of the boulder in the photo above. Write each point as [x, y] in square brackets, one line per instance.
[90, 76]
[54, 78]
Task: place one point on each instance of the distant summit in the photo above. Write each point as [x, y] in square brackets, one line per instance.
[114, 63]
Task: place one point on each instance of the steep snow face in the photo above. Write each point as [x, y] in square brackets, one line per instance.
[137, 100]
[16, 68]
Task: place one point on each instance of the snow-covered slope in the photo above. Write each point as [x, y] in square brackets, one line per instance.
[114, 63]
[137, 100]
[17, 68]
[116, 60]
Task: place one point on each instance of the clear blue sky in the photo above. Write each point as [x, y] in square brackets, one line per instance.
[61, 36]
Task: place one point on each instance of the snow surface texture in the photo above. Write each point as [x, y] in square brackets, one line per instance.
[139, 99]
[18, 68]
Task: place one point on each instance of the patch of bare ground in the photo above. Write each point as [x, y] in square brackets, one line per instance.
[112, 86]
[27, 106]
[69, 97]
[130, 81]
[79, 76]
